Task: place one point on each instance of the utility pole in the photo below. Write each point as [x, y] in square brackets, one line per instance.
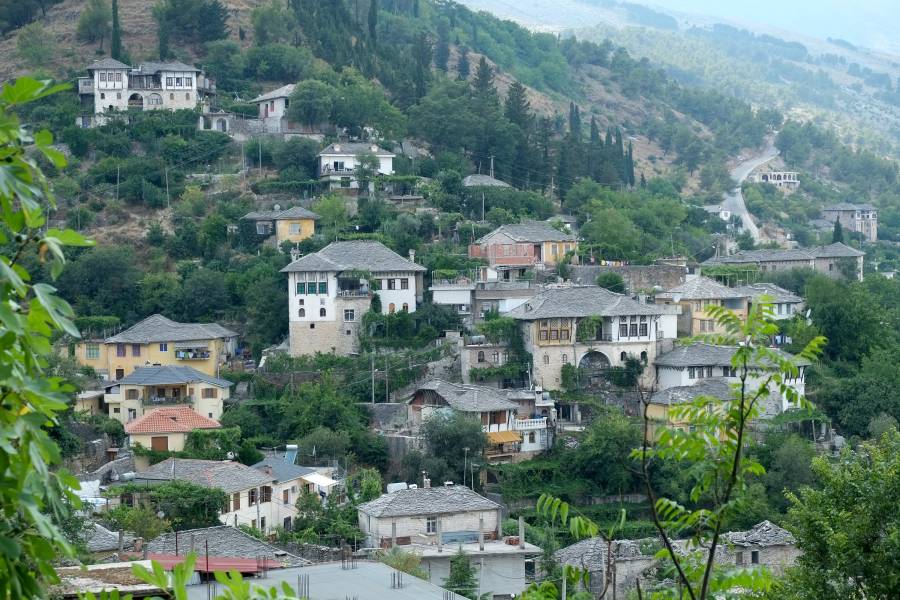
[259, 141]
[465, 463]
[387, 381]
[373, 377]
[492, 166]
[482, 206]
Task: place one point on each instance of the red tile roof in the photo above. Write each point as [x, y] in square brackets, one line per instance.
[175, 419]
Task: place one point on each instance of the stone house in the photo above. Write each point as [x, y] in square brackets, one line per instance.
[158, 341]
[329, 292]
[293, 225]
[858, 218]
[834, 260]
[150, 388]
[221, 541]
[766, 545]
[528, 244]
[591, 328]
[695, 296]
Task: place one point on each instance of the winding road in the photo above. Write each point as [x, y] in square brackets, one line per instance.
[734, 201]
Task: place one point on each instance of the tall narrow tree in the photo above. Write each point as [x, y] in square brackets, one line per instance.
[373, 22]
[838, 234]
[483, 84]
[442, 48]
[115, 43]
[462, 66]
[517, 108]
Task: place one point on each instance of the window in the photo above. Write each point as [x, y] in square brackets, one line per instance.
[729, 372]
[633, 327]
[178, 81]
[188, 81]
[236, 501]
[392, 308]
[691, 373]
[266, 493]
[251, 499]
[431, 525]
[546, 359]
[754, 557]
[301, 313]
[644, 326]
[103, 97]
[495, 357]
[301, 288]
[132, 394]
[391, 284]
[161, 392]
[338, 164]
[210, 392]
[322, 312]
[349, 315]
[169, 81]
[565, 359]
[709, 371]
[164, 347]
[155, 100]
[120, 373]
[831, 266]
[120, 350]
[103, 77]
[404, 284]
[623, 356]
[171, 96]
[117, 410]
[118, 95]
[187, 96]
[323, 288]
[294, 228]
[532, 438]
[345, 182]
[644, 357]
[554, 250]
[92, 351]
[739, 558]
[135, 349]
[405, 307]
[312, 325]
[481, 356]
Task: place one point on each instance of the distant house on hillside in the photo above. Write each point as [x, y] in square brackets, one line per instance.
[835, 260]
[166, 429]
[274, 104]
[339, 163]
[522, 245]
[112, 86]
[291, 225]
[859, 218]
[695, 296]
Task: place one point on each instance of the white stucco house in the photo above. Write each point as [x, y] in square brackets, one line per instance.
[112, 86]
[329, 291]
[338, 163]
[274, 104]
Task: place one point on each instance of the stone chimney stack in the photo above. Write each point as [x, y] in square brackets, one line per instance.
[412, 255]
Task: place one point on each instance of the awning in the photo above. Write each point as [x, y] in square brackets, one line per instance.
[195, 345]
[319, 480]
[504, 437]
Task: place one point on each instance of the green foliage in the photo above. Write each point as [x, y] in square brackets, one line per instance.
[35, 46]
[446, 433]
[611, 281]
[401, 560]
[141, 521]
[272, 23]
[192, 21]
[94, 22]
[846, 527]
[463, 578]
[36, 494]
[184, 504]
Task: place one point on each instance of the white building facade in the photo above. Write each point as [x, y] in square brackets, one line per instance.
[339, 163]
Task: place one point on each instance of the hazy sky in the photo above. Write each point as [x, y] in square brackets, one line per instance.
[872, 23]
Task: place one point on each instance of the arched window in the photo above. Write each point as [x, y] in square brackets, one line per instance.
[565, 359]
[392, 308]
[644, 357]
[623, 356]
[405, 307]
[301, 313]
[531, 437]
[546, 359]
[481, 356]
[156, 100]
[321, 312]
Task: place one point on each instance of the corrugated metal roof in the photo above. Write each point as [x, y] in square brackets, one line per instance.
[504, 437]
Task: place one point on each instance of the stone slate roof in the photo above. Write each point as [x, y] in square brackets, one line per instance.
[156, 67]
[836, 250]
[224, 541]
[427, 501]
[283, 471]
[779, 294]
[530, 231]
[581, 301]
[842, 206]
[225, 475]
[282, 92]
[762, 534]
[483, 180]
[355, 255]
[107, 63]
[157, 328]
[700, 288]
[171, 419]
[296, 212]
[168, 375]
[591, 553]
[470, 398]
[700, 354]
[98, 538]
[717, 387]
[354, 149]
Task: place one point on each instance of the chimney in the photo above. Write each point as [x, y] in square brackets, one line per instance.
[521, 533]
[337, 147]
[295, 253]
[412, 255]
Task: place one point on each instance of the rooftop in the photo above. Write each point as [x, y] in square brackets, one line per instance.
[842, 206]
[157, 328]
[169, 375]
[282, 92]
[762, 534]
[700, 354]
[354, 149]
[107, 63]
[701, 288]
[427, 501]
[156, 67]
[530, 231]
[581, 301]
[222, 540]
[173, 419]
[777, 293]
[470, 398]
[100, 539]
[479, 180]
[355, 255]
[225, 475]
[295, 212]
[282, 470]
[717, 387]
[836, 250]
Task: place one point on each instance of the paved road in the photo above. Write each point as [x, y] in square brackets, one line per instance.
[734, 201]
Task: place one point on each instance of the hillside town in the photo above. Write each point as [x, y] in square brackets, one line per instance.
[407, 301]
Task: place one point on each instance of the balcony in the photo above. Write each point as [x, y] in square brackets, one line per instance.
[329, 170]
[526, 424]
[353, 293]
[192, 354]
[167, 400]
[85, 85]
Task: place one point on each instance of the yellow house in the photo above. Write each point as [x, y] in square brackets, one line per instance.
[152, 388]
[659, 407]
[158, 340]
[695, 297]
[524, 244]
[292, 225]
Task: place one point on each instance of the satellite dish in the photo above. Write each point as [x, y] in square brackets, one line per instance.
[276, 207]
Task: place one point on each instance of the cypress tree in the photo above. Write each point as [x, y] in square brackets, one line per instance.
[483, 84]
[643, 180]
[373, 22]
[462, 66]
[115, 44]
[442, 48]
[629, 165]
[462, 578]
[517, 108]
[575, 121]
[595, 131]
[838, 234]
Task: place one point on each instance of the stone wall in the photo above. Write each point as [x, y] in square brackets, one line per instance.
[335, 336]
[636, 277]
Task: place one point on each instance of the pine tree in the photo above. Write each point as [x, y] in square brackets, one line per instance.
[838, 234]
[462, 579]
[115, 44]
[574, 121]
[373, 22]
[517, 108]
[483, 84]
[462, 66]
[442, 48]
